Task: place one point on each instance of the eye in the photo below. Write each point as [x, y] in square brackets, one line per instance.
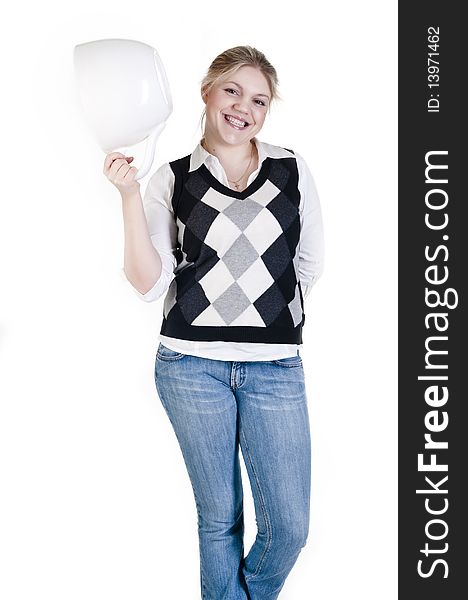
[261, 102]
[230, 90]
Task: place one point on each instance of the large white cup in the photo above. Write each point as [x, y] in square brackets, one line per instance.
[124, 93]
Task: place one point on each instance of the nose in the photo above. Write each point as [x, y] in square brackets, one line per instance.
[241, 106]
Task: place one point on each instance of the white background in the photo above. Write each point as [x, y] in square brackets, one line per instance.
[96, 503]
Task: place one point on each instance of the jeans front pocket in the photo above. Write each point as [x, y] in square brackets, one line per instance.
[289, 361]
[165, 353]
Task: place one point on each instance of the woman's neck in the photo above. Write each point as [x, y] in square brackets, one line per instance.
[229, 155]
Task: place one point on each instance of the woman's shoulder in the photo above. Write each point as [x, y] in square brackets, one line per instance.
[162, 181]
[283, 152]
[162, 172]
[275, 151]
[166, 167]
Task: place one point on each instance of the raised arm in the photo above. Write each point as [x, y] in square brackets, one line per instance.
[149, 228]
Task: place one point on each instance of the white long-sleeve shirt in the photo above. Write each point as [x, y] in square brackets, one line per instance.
[162, 228]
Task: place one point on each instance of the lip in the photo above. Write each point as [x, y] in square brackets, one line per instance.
[238, 118]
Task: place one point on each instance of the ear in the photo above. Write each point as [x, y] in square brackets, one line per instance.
[204, 94]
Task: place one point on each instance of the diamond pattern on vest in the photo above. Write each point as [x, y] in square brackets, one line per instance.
[239, 264]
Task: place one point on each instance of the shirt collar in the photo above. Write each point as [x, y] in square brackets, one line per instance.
[200, 156]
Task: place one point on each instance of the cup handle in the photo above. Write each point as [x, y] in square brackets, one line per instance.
[149, 152]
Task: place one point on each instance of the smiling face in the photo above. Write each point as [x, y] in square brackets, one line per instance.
[236, 107]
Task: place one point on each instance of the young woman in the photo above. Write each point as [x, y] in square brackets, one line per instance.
[232, 234]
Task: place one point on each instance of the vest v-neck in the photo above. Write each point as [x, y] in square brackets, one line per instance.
[255, 185]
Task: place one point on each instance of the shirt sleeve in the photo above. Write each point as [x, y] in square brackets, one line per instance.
[311, 244]
[162, 228]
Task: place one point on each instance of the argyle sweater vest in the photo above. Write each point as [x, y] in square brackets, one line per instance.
[236, 277]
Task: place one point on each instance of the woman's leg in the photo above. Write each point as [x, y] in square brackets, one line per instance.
[201, 406]
[275, 441]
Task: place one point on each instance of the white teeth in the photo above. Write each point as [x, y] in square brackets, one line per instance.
[235, 121]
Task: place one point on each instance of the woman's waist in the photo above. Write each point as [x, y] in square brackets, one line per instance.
[236, 351]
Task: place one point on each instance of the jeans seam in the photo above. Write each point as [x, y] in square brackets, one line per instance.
[264, 510]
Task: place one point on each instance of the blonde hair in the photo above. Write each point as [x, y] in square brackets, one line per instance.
[229, 61]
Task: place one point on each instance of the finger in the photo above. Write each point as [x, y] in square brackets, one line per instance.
[116, 166]
[110, 159]
[123, 171]
[130, 175]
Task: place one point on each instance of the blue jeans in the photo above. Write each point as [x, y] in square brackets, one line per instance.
[213, 406]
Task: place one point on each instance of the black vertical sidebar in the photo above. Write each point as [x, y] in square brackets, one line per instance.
[432, 260]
